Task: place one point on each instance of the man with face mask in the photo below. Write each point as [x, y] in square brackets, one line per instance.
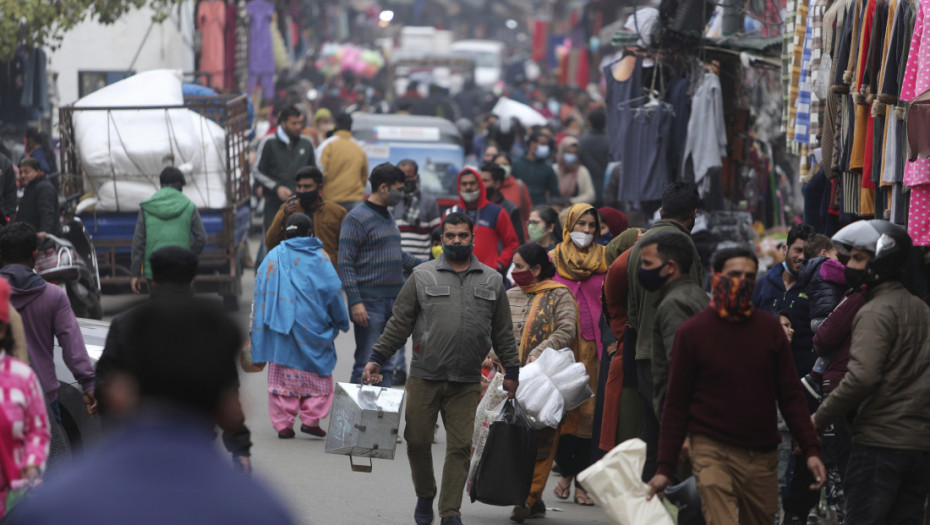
[456, 309]
[493, 177]
[495, 238]
[536, 170]
[372, 263]
[327, 216]
[665, 260]
[417, 214]
[732, 424]
[679, 208]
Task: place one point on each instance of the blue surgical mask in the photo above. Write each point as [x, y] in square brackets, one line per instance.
[787, 269]
[542, 151]
[569, 158]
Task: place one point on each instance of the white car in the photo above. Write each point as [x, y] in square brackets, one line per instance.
[74, 418]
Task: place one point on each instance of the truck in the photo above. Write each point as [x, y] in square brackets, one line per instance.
[222, 261]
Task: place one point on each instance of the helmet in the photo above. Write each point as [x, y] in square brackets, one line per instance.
[889, 243]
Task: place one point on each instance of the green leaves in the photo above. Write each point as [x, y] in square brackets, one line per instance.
[43, 23]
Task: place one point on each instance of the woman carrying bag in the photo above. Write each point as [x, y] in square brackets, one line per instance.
[545, 315]
[24, 430]
[581, 265]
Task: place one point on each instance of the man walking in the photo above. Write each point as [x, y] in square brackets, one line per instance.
[297, 313]
[493, 177]
[732, 424]
[344, 165]
[39, 205]
[535, 170]
[279, 160]
[887, 382]
[327, 216]
[456, 309]
[679, 209]
[495, 240]
[168, 218]
[665, 262]
[594, 151]
[372, 264]
[47, 316]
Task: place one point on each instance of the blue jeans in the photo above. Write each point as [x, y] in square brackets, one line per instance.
[886, 486]
[379, 311]
[399, 361]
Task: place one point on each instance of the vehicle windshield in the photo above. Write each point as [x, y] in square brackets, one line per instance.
[481, 59]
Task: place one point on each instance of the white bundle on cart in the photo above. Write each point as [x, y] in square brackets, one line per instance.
[552, 385]
[122, 151]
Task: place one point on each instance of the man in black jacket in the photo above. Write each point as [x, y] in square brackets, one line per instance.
[7, 189]
[594, 151]
[39, 206]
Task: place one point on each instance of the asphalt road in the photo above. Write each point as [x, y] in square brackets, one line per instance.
[321, 489]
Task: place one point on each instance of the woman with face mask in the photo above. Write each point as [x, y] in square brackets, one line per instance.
[544, 227]
[545, 315]
[581, 265]
[574, 179]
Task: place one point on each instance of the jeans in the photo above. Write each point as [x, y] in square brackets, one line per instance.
[886, 486]
[399, 361]
[379, 311]
[649, 428]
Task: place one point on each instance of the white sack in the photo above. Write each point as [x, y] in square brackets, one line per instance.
[551, 385]
[508, 109]
[616, 485]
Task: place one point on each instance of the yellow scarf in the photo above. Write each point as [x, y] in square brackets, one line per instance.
[572, 263]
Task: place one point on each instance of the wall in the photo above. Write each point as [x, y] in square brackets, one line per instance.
[94, 46]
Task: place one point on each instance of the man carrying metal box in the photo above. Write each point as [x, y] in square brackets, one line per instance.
[457, 309]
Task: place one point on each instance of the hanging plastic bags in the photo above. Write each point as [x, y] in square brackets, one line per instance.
[616, 484]
[505, 471]
[489, 408]
[552, 385]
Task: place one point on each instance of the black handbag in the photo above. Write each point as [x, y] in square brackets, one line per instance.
[505, 470]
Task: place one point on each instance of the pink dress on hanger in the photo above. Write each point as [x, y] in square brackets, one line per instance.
[211, 20]
[917, 173]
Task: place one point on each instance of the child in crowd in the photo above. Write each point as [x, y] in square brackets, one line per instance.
[825, 282]
[436, 242]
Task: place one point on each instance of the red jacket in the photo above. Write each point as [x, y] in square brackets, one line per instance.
[495, 239]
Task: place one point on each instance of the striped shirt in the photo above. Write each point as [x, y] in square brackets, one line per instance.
[415, 233]
[371, 261]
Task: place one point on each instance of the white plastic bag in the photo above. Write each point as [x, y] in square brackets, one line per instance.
[615, 483]
[551, 385]
[488, 409]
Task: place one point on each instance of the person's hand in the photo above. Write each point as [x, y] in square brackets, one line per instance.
[259, 192]
[91, 403]
[531, 358]
[685, 453]
[136, 284]
[243, 463]
[284, 193]
[657, 486]
[510, 385]
[488, 363]
[290, 206]
[41, 236]
[30, 473]
[371, 374]
[815, 425]
[612, 348]
[820, 474]
[359, 314]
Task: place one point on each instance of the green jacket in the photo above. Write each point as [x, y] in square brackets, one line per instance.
[539, 178]
[680, 300]
[455, 319]
[641, 304]
[168, 218]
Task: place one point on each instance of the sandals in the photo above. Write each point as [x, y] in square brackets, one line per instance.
[582, 498]
[562, 491]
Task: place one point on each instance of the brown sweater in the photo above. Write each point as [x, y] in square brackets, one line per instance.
[327, 221]
[724, 381]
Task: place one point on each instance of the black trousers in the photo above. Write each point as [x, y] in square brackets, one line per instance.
[649, 427]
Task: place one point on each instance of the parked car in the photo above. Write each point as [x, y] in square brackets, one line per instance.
[79, 426]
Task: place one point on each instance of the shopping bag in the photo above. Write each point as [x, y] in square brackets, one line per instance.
[552, 385]
[505, 470]
[489, 408]
[615, 483]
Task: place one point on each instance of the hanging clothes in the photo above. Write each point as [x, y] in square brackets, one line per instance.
[229, 49]
[707, 135]
[625, 93]
[917, 173]
[261, 55]
[211, 21]
[645, 155]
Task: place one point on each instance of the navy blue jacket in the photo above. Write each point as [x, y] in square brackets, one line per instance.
[770, 296]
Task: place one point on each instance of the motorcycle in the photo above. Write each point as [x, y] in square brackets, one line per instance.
[70, 261]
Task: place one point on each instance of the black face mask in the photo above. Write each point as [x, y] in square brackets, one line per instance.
[652, 280]
[855, 278]
[308, 199]
[410, 187]
[457, 252]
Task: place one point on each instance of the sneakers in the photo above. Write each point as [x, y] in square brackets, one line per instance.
[453, 520]
[423, 513]
[522, 513]
[286, 434]
[812, 387]
[313, 431]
